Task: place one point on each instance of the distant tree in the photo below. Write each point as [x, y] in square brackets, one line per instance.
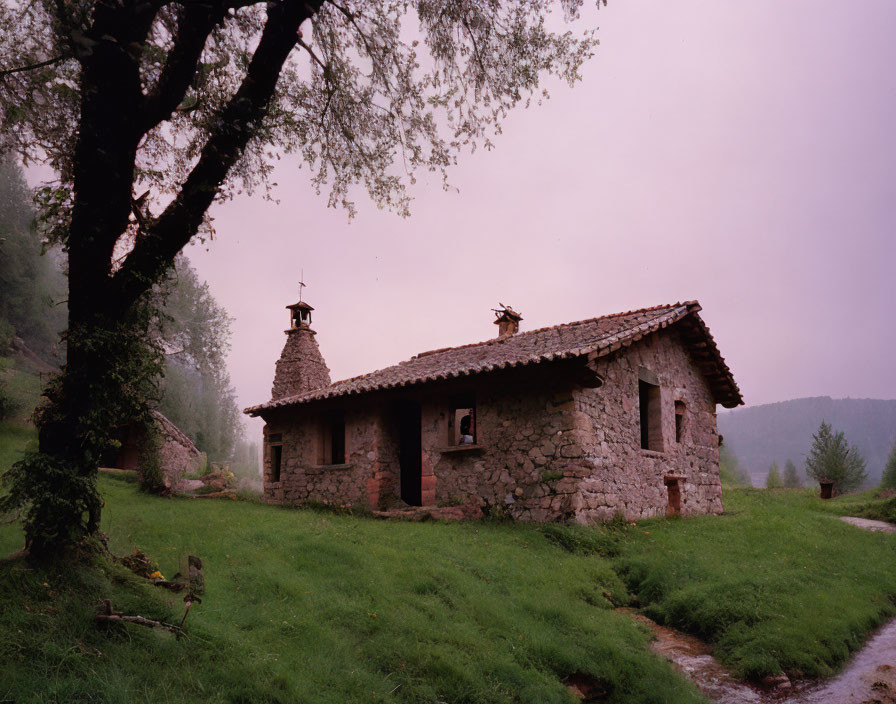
[888, 480]
[195, 390]
[245, 461]
[730, 471]
[773, 480]
[832, 459]
[29, 282]
[791, 475]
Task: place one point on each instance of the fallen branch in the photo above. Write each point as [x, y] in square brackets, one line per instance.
[108, 615]
[165, 584]
[213, 495]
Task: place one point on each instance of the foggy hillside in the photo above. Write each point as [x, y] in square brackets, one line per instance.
[781, 431]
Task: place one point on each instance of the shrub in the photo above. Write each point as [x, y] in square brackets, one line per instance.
[773, 480]
[888, 479]
[832, 459]
[581, 540]
[152, 475]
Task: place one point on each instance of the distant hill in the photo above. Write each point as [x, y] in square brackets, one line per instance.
[781, 431]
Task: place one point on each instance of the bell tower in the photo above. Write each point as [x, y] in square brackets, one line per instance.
[301, 366]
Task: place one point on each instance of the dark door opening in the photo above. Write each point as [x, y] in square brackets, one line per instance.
[409, 453]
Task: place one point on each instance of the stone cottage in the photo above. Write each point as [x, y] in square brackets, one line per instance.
[577, 422]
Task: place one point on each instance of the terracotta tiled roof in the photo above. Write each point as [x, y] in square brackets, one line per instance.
[597, 336]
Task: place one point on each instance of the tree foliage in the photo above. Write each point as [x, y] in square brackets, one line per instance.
[791, 478]
[888, 480]
[773, 479]
[150, 110]
[730, 471]
[832, 459]
[195, 390]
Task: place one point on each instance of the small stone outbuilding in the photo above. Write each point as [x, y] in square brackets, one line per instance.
[178, 455]
[579, 422]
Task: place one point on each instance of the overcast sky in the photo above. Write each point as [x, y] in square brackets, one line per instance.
[739, 153]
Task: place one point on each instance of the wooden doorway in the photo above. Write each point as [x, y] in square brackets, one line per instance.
[673, 486]
[409, 453]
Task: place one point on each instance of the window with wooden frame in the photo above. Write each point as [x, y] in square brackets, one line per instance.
[331, 440]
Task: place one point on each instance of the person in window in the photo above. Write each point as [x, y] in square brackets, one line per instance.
[466, 428]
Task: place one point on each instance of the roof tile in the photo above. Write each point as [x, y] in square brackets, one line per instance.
[596, 335]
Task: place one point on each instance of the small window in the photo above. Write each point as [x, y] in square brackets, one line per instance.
[679, 420]
[462, 422]
[276, 460]
[332, 440]
[650, 416]
[337, 442]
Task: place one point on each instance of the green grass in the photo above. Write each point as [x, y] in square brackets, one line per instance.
[23, 385]
[311, 606]
[304, 606]
[15, 438]
[868, 504]
[775, 583]
[16, 433]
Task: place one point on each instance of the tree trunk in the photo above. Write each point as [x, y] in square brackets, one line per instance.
[110, 368]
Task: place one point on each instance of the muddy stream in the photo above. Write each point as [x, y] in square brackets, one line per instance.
[868, 678]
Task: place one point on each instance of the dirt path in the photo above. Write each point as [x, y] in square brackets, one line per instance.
[868, 524]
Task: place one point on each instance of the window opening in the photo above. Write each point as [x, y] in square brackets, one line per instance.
[462, 422]
[276, 460]
[337, 442]
[679, 420]
[650, 416]
[332, 441]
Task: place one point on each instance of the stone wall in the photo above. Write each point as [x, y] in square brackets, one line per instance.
[522, 463]
[545, 449]
[626, 479]
[301, 366]
[304, 472]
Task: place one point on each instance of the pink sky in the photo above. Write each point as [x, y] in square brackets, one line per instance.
[740, 153]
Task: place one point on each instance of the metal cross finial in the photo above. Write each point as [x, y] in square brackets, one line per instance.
[301, 285]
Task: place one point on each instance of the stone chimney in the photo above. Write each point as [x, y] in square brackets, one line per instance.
[508, 320]
[301, 366]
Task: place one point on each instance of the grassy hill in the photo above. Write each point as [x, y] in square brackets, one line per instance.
[23, 385]
[759, 435]
[307, 606]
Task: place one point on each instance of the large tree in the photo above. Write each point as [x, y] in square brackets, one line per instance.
[150, 110]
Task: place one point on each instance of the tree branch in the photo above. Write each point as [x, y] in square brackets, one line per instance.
[32, 67]
[194, 25]
[237, 124]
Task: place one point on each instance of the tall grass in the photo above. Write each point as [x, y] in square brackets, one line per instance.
[303, 606]
[775, 583]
